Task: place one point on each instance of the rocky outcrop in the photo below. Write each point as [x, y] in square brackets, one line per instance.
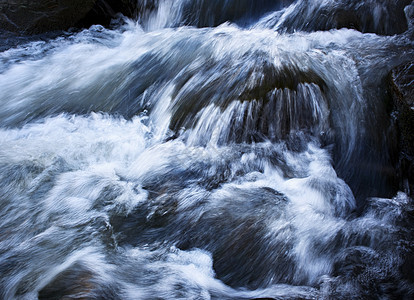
[402, 85]
[27, 16]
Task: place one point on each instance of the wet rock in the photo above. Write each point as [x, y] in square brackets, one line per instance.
[382, 17]
[402, 86]
[104, 11]
[30, 17]
[207, 13]
[40, 16]
[77, 282]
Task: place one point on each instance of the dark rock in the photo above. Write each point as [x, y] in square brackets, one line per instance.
[206, 13]
[384, 17]
[28, 17]
[402, 79]
[77, 282]
[210, 13]
[105, 10]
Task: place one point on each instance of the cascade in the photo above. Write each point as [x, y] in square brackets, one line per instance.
[207, 150]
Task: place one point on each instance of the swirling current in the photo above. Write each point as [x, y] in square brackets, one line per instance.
[207, 150]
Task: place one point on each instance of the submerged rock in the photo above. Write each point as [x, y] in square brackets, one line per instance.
[402, 86]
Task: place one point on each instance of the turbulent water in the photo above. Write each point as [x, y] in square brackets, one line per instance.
[207, 150]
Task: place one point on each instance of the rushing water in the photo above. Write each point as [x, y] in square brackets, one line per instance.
[210, 150]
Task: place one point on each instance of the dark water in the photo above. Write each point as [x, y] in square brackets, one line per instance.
[208, 150]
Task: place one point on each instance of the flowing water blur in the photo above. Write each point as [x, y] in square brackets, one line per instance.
[185, 157]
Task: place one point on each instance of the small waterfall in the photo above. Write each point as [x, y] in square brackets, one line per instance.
[203, 13]
[206, 150]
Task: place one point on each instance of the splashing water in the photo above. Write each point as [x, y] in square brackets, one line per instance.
[171, 158]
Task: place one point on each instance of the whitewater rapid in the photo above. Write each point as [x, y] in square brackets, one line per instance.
[158, 160]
